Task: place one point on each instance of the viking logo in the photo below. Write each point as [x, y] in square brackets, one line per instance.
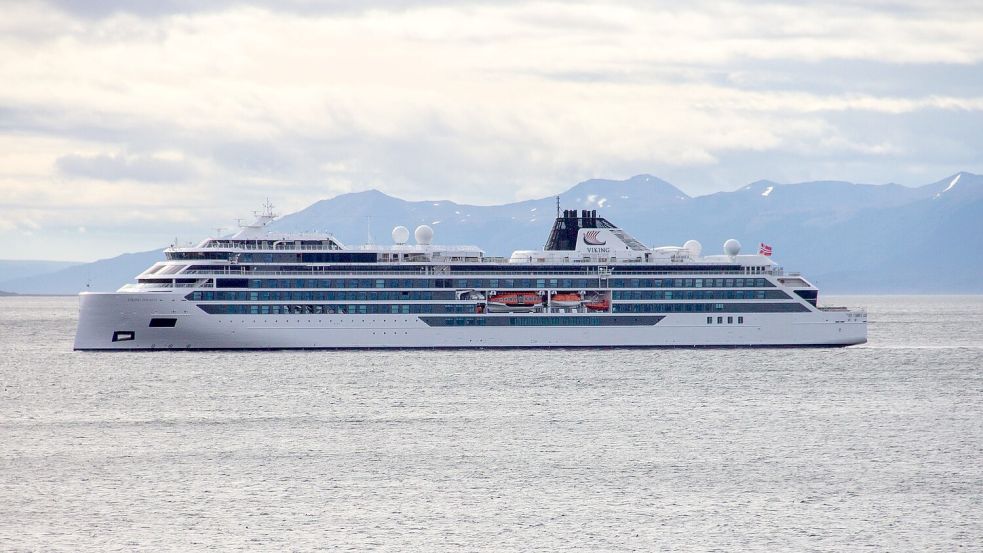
[590, 238]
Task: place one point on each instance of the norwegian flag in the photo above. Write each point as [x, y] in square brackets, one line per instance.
[764, 249]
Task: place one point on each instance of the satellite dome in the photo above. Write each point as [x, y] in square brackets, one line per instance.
[732, 247]
[423, 235]
[401, 234]
[693, 247]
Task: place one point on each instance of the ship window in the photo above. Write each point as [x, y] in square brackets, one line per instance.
[162, 322]
[123, 335]
[720, 320]
[730, 320]
[709, 320]
[740, 320]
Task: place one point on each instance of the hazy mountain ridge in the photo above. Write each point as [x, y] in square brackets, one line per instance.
[20, 268]
[98, 276]
[846, 237]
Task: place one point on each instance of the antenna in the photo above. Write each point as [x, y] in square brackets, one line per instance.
[218, 231]
[368, 230]
[558, 207]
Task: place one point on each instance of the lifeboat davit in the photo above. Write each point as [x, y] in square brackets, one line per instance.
[514, 302]
[565, 300]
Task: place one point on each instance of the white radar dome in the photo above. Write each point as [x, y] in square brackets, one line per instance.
[401, 234]
[423, 235]
[693, 247]
[732, 247]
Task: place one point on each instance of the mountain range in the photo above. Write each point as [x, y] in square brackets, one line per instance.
[843, 236]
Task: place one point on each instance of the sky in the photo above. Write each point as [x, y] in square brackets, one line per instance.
[125, 124]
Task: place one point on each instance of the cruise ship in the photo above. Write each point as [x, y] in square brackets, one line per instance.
[591, 285]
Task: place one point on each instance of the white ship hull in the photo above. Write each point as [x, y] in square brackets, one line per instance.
[103, 315]
[271, 290]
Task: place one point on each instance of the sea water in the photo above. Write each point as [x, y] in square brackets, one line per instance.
[876, 447]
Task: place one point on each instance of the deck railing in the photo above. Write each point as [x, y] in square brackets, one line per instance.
[428, 271]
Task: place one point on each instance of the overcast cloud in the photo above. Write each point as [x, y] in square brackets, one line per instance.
[139, 120]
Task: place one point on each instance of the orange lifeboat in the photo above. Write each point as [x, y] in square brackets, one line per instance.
[598, 305]
[514, 302]
[565, 300]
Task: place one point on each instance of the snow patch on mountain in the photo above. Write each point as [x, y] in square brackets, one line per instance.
[951, 184]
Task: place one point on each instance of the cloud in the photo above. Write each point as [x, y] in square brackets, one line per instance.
[100, 9]
[116, 167]
[229, 102]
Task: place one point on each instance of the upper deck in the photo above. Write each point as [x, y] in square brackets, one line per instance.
[582, 245]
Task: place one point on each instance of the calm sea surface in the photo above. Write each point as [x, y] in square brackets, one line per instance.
[875, 448]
